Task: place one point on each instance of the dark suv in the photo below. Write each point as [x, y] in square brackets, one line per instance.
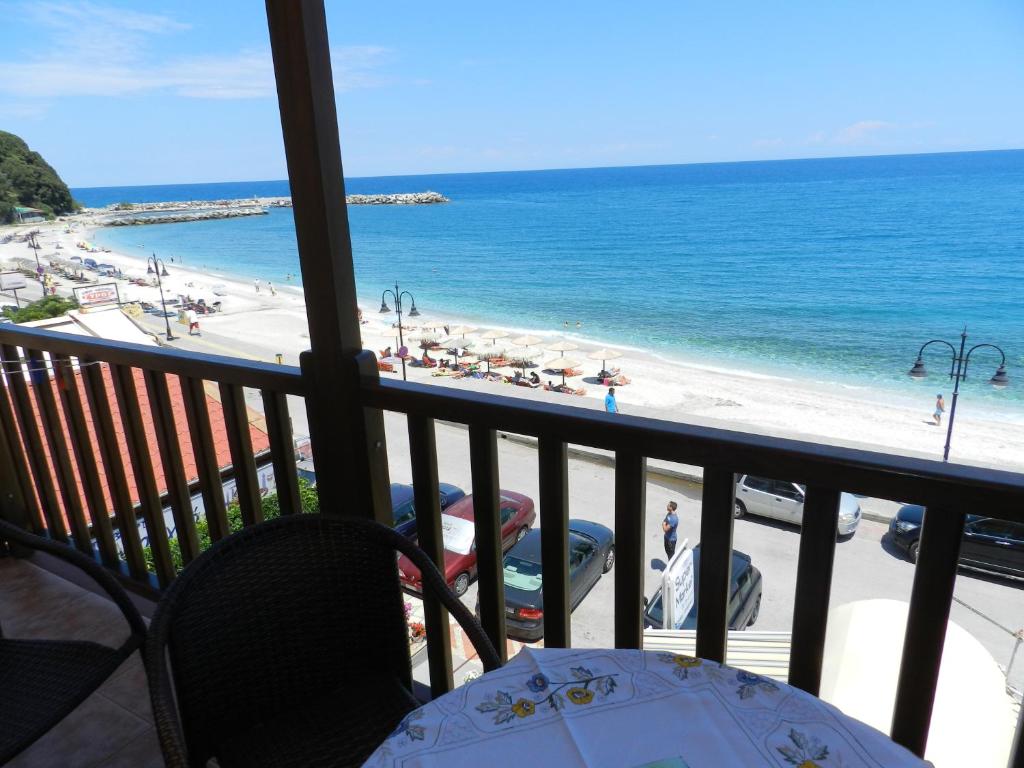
[989, 544]
[744, 595]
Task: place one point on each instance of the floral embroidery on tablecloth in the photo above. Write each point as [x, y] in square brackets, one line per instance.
[750, 684]
[407, 729]
[540, 691]
[684, 665]
[804, 751]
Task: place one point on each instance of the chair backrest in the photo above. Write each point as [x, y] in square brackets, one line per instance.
[279, 613]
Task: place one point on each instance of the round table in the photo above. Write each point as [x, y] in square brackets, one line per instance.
[632, 709]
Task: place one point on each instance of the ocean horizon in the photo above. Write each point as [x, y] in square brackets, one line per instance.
[830, 270]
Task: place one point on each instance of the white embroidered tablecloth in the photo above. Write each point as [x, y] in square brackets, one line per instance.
[627, 709]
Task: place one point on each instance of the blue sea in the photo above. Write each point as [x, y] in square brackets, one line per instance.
[831, 270]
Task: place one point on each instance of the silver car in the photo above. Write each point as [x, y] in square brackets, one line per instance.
[783, 500]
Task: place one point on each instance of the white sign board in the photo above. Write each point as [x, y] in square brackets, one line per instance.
[97, 295]
[12, 281]
[677, 588]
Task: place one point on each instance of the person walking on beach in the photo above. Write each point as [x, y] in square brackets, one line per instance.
[610, 404]
[670, 525]
[273, 291]
[257, 284]
[940, 408]
[193, 323]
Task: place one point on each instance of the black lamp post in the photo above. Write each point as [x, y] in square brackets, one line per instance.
[413, 312]
[35, 249]
[958, 372]
[161, 271]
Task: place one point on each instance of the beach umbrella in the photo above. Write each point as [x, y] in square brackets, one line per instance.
[520, 358]
[561, 364]
[493, 335]
[527, 341]
[562, 346]
[461, 330]
[604, 355]
[491, 354]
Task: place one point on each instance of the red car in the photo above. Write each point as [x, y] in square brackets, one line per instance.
[459, 531]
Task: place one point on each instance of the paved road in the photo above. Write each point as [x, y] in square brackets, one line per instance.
[866, 567]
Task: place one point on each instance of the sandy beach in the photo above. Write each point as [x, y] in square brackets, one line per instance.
[275, 322]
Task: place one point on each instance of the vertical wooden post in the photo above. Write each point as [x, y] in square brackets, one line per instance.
[339, 429]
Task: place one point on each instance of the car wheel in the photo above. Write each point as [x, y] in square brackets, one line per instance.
[522, 532]
[756, 613]
[609, 560]
[738, 510]
[461, 584]
[912, 551]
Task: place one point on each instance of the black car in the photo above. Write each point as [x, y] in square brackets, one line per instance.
[591, 554]
[989, 544]
[744, 595]
[404, 508]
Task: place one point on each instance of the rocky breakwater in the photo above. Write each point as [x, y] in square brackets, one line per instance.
[407, 198]
[179, 216]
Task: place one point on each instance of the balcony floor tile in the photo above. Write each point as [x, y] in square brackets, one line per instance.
[114, 726]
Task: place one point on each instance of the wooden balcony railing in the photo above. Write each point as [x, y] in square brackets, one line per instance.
[56, 478]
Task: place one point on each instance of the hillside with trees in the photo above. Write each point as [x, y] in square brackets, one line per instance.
[26, 179]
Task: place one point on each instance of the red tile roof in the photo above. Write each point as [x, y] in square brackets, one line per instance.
[260, 440]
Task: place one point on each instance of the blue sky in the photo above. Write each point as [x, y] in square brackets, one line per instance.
[130, 93]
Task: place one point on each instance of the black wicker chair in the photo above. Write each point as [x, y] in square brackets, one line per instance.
[42, 681]
[287, 644]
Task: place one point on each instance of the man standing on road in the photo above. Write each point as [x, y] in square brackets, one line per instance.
[669, 526]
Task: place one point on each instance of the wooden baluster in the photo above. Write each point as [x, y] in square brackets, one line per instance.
[282, 450]
[715, 574]
[98, 397]
[174, 467]
[483, 457]
[19, 465]
[201, 433]
[554, 543]
[85, 457]
[28, 424]
[930, 601]
[142, 468]
[423, 456]
[813, 587]
[236, 419]
[630, 515]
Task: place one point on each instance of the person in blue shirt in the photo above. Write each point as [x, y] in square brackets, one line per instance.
[609, 401]
[669, 526]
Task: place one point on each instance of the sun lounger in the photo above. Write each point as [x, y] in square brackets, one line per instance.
[387, 367]
[528, 383]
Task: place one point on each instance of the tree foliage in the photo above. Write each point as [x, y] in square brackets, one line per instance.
[49, 306]
[270, 505]
[26, 179]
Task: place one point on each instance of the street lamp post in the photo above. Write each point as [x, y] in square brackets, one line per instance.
[35, 249]
[958, 373]
[157, 266]
[397, 295]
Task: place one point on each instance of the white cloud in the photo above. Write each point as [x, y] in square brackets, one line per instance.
[860, 132]
[95, 50]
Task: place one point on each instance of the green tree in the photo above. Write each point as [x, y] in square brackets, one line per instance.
[271, 506]
[48, 306]
[26, 179]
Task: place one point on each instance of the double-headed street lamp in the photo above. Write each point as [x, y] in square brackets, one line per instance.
[413, 312]
[156, 265]
[958, 372]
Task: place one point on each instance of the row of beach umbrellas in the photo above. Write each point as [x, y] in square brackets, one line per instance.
[523, 351]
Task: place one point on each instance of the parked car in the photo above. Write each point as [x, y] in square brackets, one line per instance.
[459, 530]
[744, 595]
[591, 554]
[783, 500]
[403, 505]
[989, 544]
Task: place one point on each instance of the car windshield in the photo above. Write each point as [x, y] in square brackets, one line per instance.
[522, 574]
[458, 534]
